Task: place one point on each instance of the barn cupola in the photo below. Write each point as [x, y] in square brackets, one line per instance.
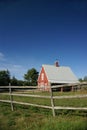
[56, 63]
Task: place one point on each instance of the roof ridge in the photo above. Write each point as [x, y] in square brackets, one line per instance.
[55, 66]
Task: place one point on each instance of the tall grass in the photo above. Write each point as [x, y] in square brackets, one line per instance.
[30, 118]
[33, 118]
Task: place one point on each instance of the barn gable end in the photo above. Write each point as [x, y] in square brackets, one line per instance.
[43, 80]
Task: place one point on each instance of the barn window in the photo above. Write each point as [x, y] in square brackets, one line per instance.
[42, 76]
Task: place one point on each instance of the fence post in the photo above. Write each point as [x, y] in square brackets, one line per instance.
[52, 102]
[11, 97]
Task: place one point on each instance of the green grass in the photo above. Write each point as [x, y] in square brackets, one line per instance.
[30, 118]
[76, 102]
[34, 118]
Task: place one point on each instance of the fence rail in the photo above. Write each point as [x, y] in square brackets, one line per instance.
[69, 84]
[26, 95]
[75, 96]
[19, 87]
[51, 97]
[30, 104]
[71, 108]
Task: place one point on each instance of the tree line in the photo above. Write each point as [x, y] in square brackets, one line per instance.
[84, 79]
[30, 78]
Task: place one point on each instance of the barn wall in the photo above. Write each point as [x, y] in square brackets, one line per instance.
[42, 80]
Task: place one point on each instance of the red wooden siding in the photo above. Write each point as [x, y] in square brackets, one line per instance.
[42, 79]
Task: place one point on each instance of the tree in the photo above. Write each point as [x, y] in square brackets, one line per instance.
[85, 78]
[31, 77]
[80, 80]
[14, 81]
[20, 83]
[4, 77]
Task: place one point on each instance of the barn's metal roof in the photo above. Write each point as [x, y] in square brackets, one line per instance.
[60, 74]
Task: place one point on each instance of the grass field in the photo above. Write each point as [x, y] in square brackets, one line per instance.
[33, 118]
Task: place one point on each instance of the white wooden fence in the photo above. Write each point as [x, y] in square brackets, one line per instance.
[51, 97]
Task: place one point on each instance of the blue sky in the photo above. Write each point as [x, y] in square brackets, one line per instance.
[36, 32]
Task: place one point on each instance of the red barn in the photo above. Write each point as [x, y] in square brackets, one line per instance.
[55, 74]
